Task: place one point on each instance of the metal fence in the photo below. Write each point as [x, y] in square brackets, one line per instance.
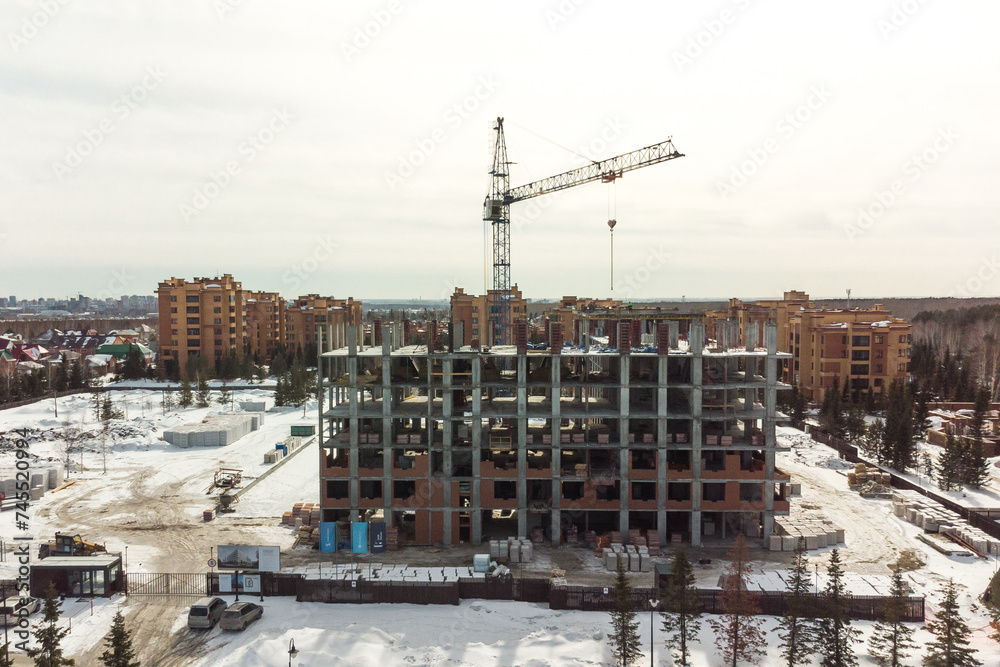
[985, 519]
[597, 598]
[194, 584]
[375, 592]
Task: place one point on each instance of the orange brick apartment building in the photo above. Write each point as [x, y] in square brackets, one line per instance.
[213, 317]
[865, 348]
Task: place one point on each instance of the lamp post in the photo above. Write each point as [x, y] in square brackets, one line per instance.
[292, 651]
[653, 604]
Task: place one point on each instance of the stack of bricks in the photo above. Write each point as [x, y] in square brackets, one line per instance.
[653, 542]
[572, 537]
[616, 537]
[391, 539]
[633, 535]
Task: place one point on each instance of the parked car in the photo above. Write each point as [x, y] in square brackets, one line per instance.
[240, 615]
[12, 608]
[206, 612]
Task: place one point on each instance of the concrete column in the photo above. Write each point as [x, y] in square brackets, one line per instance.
[387, 439]
[556, 529]
[661, 447]
[770, 409]
[477, 442]
[696, 342]
[624, 426]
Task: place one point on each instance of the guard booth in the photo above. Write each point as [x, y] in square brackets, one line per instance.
[79, 576]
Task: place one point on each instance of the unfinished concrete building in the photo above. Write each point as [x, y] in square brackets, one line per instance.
[473, 444]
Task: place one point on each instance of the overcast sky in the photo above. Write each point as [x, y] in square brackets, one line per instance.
[343, 147]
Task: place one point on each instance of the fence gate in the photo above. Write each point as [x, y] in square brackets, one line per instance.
[193, 584]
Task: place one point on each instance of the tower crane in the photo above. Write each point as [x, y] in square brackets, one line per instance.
[496, 209]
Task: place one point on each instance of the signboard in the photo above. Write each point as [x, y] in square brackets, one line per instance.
[328, 537]
[251, 583]
[359, 537]
[225, 583]
[248, 557]
[377, 537]
[211, 562]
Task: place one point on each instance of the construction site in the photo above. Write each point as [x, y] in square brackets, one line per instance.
[675, 440]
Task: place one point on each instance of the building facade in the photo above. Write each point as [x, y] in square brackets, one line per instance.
[470, 315]
[265, 325]
[460, 446]
[204, 317]
[307, 319]
[866, 349]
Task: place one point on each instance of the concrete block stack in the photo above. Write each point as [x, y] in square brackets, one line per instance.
[633, 558]
[933, 517]
[817, 531]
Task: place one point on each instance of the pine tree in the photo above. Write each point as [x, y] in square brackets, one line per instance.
[681, 609]
[48, 635]
[280, 393]
[5, 659]
[204, 395]
[855, 423]
[891, 639]
[977, 467]
[950, 646]
[873, 444]
[738, 633]
[949, 466]
[900, 443]
[119, 652]
[835, 636]
[797, 627]
[186, 398]
[625, 628]
[135, 364]
[76, 380]
[225, 395]
[831, 413]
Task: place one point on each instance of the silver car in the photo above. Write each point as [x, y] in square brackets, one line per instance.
[12, 608]
[206, 612]
[240, 615]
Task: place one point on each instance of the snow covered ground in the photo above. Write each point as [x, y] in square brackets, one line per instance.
[151, 497]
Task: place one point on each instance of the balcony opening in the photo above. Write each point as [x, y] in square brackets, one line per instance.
[337, 489]
[679, 491]
[505, 490]
[643, 490]
[403, 489]
[572, 490]
[371, 489]
[713, 491]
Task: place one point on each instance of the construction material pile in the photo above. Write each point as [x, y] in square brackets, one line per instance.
[816, 530]
[39, 481]
[933, 517]
[632, 557]
[865, 477]
[283, 449]
[214, 431]
[304, 518]
[513, 549]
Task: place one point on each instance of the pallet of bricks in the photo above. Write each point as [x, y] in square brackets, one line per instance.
[865, 477]
[932, 517]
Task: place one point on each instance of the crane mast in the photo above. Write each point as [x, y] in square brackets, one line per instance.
[501, 196]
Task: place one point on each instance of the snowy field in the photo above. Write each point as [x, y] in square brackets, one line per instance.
[151, 497]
